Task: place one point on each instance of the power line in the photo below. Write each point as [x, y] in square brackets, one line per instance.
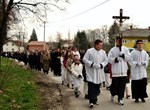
[81, 12]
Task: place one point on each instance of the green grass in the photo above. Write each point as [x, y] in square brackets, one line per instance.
[148, 70]
[19, 90]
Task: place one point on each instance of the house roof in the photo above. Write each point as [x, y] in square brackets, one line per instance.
[135, 33]
[36, 43]
[16, 42]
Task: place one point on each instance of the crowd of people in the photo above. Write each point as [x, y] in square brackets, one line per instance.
[95, 68]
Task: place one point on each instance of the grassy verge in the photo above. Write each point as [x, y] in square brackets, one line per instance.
[19, 90]
[148, 71]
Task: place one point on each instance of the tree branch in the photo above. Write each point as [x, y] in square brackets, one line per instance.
[36, 4]
[31, 4]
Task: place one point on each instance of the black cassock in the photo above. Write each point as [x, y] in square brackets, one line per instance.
[57, 64]
[138, 88]
[118, 86]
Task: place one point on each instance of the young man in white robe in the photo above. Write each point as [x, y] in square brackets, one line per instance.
[139, 63]
[95, 59]
[118, 59]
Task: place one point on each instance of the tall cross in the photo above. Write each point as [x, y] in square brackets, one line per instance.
[121, 19]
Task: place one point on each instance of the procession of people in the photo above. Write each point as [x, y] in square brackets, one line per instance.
[95, 68]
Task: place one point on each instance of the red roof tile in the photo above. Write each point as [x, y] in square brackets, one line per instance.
[36, 43]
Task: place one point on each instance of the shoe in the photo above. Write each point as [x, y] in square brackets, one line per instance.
[91, 105]
[143, 100]
[72, 86]
[120, 102]
[76, 94]
[112, 98]
[136, 101]
[127, 96]
[86, 96]
[96, 103]
[108, 88]
[68, 85]
[104, 84]
[62, 83]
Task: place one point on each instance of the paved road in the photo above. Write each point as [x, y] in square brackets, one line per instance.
[104, 100]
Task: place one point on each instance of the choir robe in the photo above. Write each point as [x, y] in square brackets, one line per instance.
[93, 59]
[139, 73]
[119, 70]
[76, 70]
[95, 74]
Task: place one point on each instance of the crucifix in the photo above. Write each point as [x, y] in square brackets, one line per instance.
[121, 19]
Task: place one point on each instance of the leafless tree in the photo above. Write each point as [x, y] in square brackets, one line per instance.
[14, 11]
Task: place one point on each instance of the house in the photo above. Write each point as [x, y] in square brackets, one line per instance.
[38, 45]
[131, 35]
[67, 43]
[64, 44]
[13, 46]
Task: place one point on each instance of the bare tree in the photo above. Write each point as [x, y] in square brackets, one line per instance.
[104, 34]
[14, 11]
[127, 26]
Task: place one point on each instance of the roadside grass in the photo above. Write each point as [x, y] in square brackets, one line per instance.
[148, 71]
[19, 90]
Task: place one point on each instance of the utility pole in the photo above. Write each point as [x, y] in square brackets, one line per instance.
[69, 37]
[44, 36]
[121, 19]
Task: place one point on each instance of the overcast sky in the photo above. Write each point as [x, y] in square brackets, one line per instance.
[98, 13]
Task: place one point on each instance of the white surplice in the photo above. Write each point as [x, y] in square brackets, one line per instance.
[95, 74]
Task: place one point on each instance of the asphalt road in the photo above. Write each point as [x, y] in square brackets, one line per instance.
[105, 103]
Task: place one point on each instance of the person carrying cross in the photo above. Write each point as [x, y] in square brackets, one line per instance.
[118, 57]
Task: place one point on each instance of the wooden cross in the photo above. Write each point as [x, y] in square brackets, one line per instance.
[121, 19]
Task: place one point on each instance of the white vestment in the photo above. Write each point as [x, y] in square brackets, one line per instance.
[76, 70]
[96, 57]
[139, 62]
[120, 68]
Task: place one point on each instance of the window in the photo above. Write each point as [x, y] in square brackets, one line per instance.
[12, 44]
[144, 41]
[124, 41]
[133, 41]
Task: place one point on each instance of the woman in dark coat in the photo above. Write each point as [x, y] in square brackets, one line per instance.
[46, 62]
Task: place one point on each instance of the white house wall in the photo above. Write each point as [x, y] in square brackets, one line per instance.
[11, 47]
